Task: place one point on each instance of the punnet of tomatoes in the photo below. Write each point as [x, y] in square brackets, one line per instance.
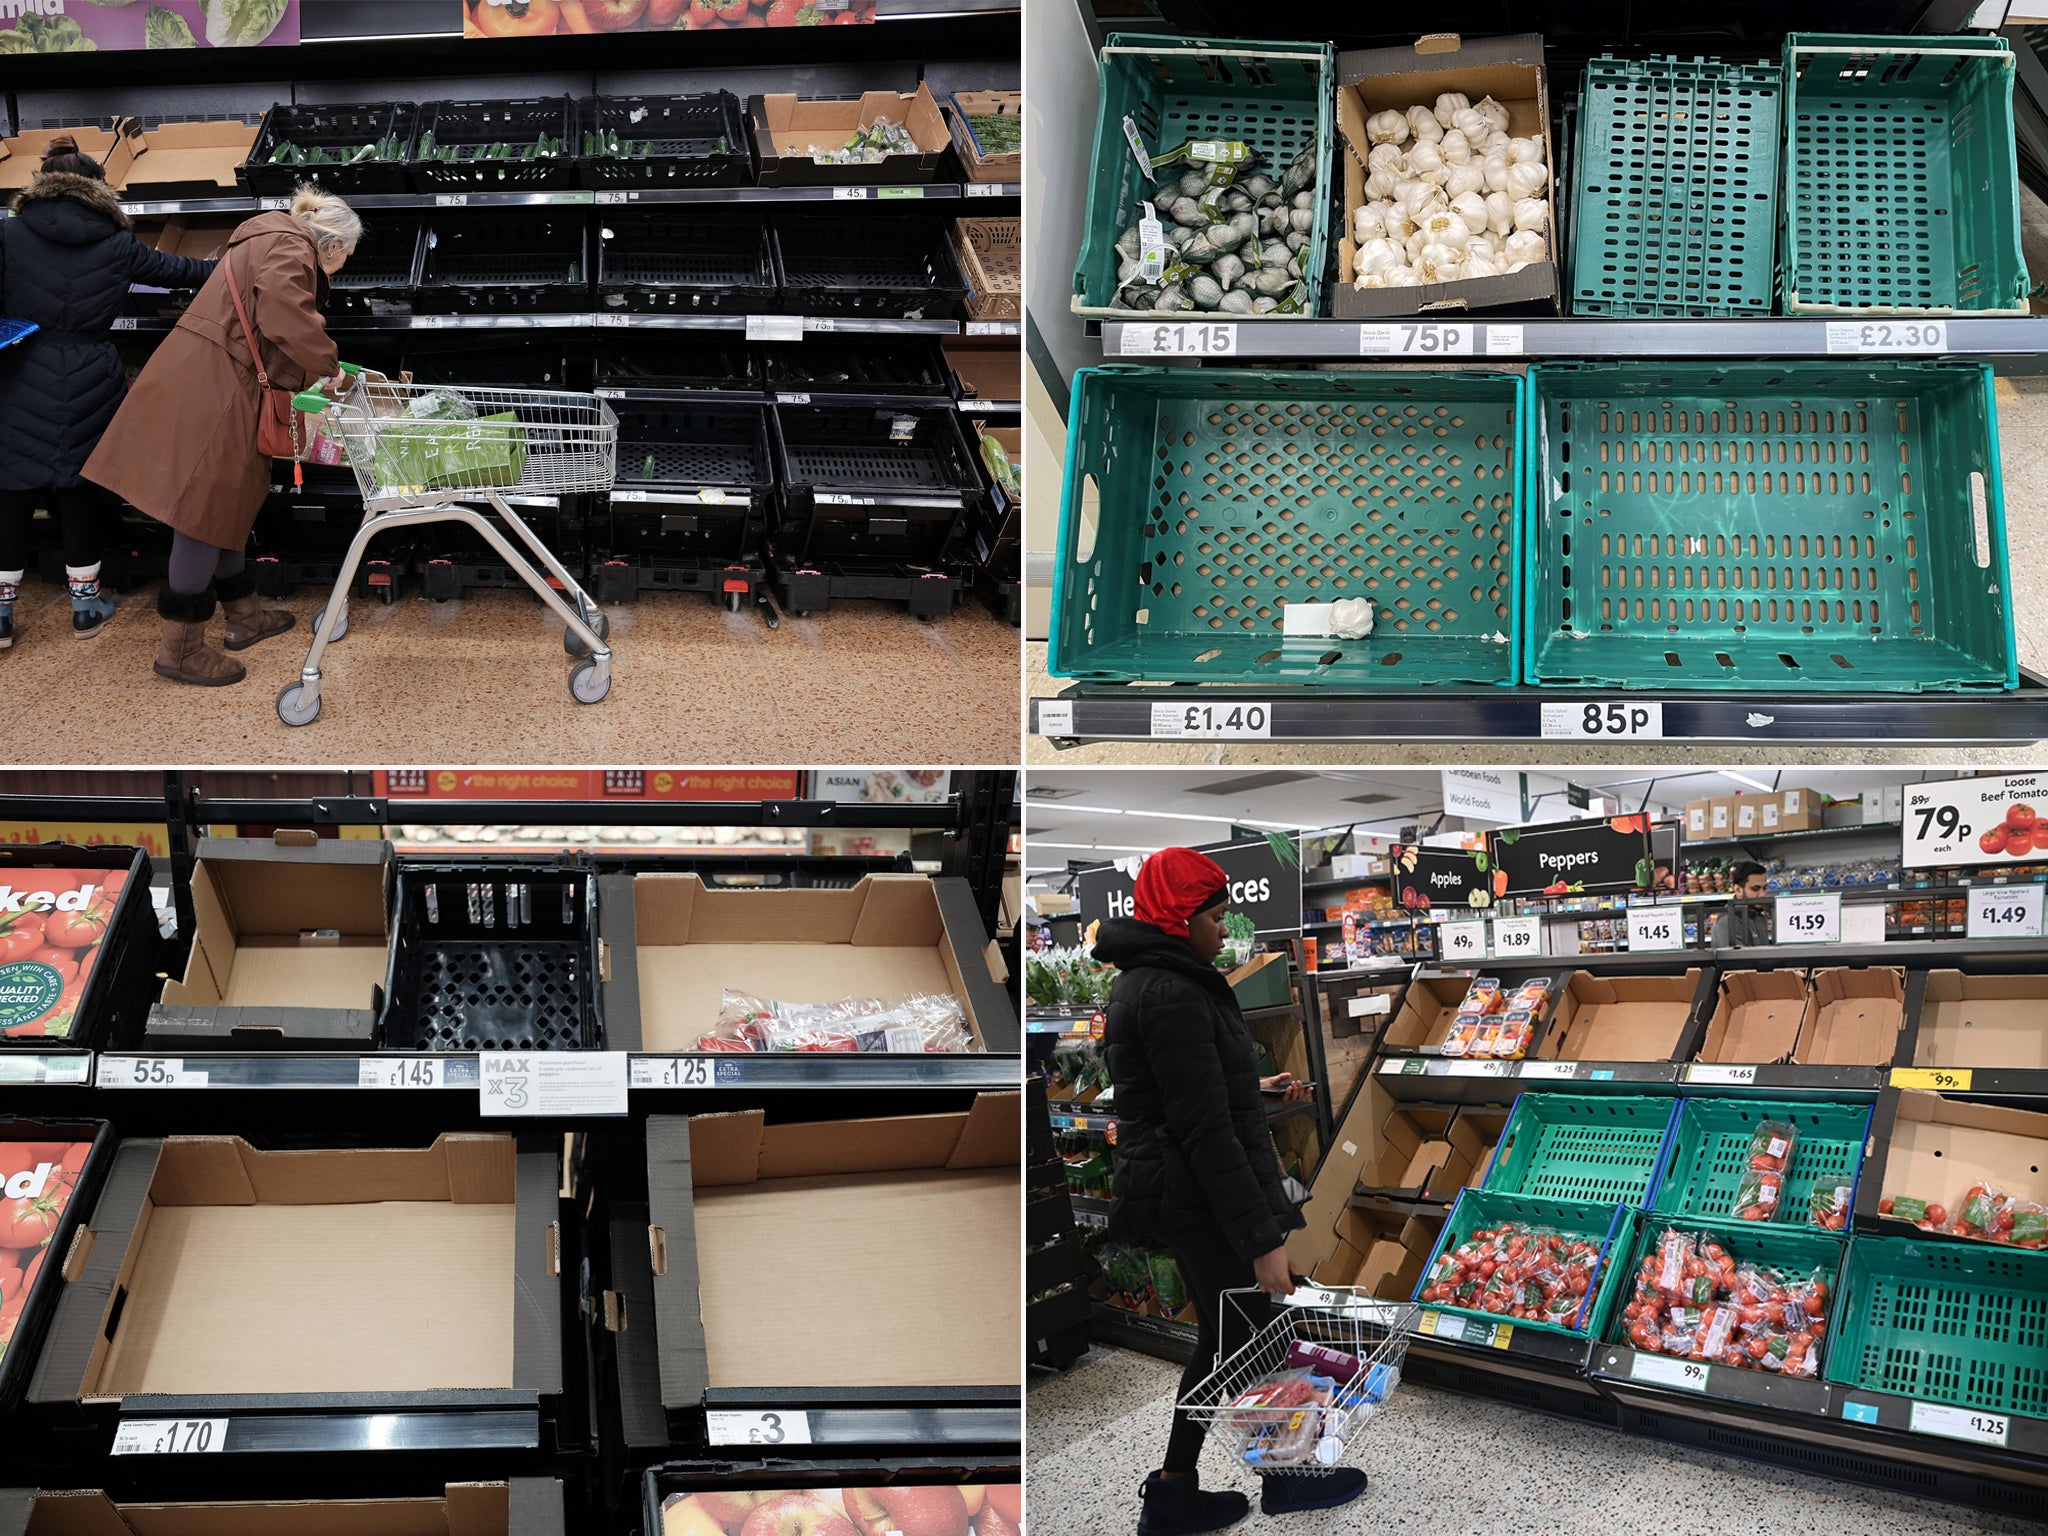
[1771, 1147]
[1517, 1271]
[1985, 1213]
[53, 923]
[1694, 1301]
[37, 1182]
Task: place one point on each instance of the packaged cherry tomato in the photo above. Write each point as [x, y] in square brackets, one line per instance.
[1771, 1147]
[1828, 1206]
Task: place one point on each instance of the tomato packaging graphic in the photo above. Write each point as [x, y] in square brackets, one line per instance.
[53, 924]
[38, 1181]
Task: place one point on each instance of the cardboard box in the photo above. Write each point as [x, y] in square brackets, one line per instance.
[1758, 1017]
[678, 944]
[1510, 70]
[519, 1506]
[974, 163]
[1619, 1018]
[987, 373]
[1262, 982]
[1428, 1010]
[1358, 866]
[1343, 1245]
[21, 157]
[178, 160]
[1721, 816]
[1983, 1021]
[291, 946]
[1799, 810]
[1895, 802]
[783, 1255]
[1873, 805]
[1770, 815]
[1007, 521]
[1940, 1147]
[210, 1268]
[789, 129]
[52, 878]
[1856, 1019]
[1697, 813]
[1476, 1134]
[1411, 1147]
[1748, 815]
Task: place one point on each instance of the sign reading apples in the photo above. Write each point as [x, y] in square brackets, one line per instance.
[925, 1509]
[52, 922]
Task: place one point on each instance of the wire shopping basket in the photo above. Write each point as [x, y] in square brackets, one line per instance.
[1298, 1396]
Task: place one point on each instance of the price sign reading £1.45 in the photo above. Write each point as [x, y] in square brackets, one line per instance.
[1814, 919]
[1655, 928]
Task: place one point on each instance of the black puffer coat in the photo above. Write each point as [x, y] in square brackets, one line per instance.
[67, 258]
[1193, 1148]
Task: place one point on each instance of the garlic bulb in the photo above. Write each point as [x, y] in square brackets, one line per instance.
[1455, 148]
[1449, 105]
[1419, 197]
[1500, 212]
[1532, 213]
[1472, 124]
[1423, 124]
[1482, 245]
[1380, 185]
[1524, 246]
[1495, 143]
[1493, 112]
[1387, 157]
[1461, 179]
[1387, 128]
[1426, 163]
[1471, 207]
[1527, 178]
[1377, 256]
[1415, 240]
[1401, 277]
[1439, 263]
[1444, 227]
[1368, 222]
[1524, 150]
[1480, 264]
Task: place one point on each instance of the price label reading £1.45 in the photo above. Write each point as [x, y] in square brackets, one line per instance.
[1655, 928]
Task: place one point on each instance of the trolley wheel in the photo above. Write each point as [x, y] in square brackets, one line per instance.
[583, 685]
[573, 642]
[732, 602]
[339, 629]
[291, 712]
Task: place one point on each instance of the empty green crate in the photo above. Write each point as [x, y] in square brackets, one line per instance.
[1710, 1154]
[1805, 526]
[1955, 1323]
[1902, 190]
[1795, 1252]
[1608, 1224]
[1677, 188]
[1581, 1147]
[1278, 98]
[1198, 502]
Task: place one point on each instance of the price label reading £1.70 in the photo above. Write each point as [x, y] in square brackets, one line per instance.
[1655, 928]
[1188, 338]
[1810, 919]
[1214, 722]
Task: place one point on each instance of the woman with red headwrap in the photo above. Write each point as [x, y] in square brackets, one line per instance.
[1196, 1169]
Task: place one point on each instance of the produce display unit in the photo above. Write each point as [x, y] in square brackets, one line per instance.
[1304, 688]
[1891, 1405]
[619, 275]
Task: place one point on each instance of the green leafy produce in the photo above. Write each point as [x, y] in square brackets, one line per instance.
[47, 34]
[875, 142]
[996, 133]
[240, 23]
[165, 28]
[1000, 468]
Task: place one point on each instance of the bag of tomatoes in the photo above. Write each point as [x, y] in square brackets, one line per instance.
[1520, 1272]
[1771, 1147]
[52, 922]
[1827, 1207]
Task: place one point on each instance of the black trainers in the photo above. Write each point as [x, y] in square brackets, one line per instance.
[1284, 1495]
[1180, 1506]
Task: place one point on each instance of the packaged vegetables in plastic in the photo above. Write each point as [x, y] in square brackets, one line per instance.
[1301, 1415]
[1693, 1300]
[1985, 1213]
[1762, 1186]
[436, 440]
[1494, 1023]
[1520, 1271]
[929, 1022]
[1219, 235]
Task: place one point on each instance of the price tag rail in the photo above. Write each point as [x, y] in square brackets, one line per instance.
[45, 1069]
[1465, 1336]
[370, 1423]
[138, 1071]
[2025, 1437]
[1615, 1367]
[1468, 1081]
[991, 1417]
[722, 1070]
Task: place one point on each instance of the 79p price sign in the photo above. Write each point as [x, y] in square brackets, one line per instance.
[1976, 823]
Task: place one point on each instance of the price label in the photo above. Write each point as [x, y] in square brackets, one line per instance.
[1186, 338]
[170, 1437]
[124, 323]
[451, 199]
[1055, 717]
[991, 327]
[849, 194]
[46, 1069]
[1917, 336]
[1603, 722]
[1138, 148]
[775, 328]
[1443, 1325]
[672, 1072]
[788, 398]
[1707, 1073]
[899, 194]
[1503, 340]
[782, 1426]
[1683, 1374]
[2006, 912]
[1463, 941]
[1213, 722]
[551, 1083]
[606, 198]
[1811, 919]
[1516, 936]
[388, 1072]
[148, 1072]
[1655, 928]
[1960, 1423]
[273, 204]
[984, 189]
[1939, 1079]
[1416, 338]
[1533, 1071]
[605, 320]
[1477, 1068]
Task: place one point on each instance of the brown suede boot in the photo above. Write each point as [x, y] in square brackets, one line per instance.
[183, 655]
[248, 620]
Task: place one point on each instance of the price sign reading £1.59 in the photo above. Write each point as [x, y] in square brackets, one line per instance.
[1814, 919]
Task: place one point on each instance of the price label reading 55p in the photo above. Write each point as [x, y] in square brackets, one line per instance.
[1215, 722]
[1921, 336]
[1182, 339]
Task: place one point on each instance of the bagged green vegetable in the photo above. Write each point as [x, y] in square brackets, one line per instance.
[436, 454]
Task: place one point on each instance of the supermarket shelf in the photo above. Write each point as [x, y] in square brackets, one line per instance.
[925, 192]
[1834, 1081]
[1059, 1021]
[1555, 1350]
[184, 1426]
[1090, 1206]
[1076, 1117]
[832, 1070]
[1786, 837]
[225, 1069]
[1139, 712]
[53, 1069]
[1450, 1080]
[1277, 1011]
[1388, 1203]
[1659, 1378]
[849, 1416]
[1380, 922]
[577, 321]
[2014, 344]
[1160, 1336]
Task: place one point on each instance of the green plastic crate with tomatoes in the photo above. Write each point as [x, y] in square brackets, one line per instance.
[1552, 1265]
[69, 934]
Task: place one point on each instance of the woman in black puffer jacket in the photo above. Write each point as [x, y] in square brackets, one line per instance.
[1196, 1170]
[67, 258]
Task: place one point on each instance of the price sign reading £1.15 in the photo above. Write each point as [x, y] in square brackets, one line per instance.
[1812, 919]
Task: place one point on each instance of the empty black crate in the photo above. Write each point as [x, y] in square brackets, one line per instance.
[498, 956]
[693, 478]
[382, 276]
[693, 362]
[675, 262]
[910, 367]
[662, 141]
[896, 268]
[528, 259]
[339, 131]
[892, 482]
[303, 530]
[495, 146]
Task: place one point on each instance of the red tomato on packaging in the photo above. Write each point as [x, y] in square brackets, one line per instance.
[78, 930]
[1993, 840]
[2020, 815]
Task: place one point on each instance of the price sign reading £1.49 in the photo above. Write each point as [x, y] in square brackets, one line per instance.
[2005, 912]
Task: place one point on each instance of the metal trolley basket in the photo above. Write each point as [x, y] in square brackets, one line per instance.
[1347, 1319]
[420, 468]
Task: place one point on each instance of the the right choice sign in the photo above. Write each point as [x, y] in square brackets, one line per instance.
[1976, 821]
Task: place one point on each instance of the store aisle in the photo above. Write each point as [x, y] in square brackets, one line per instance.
[444, 682]
[1447, 1465]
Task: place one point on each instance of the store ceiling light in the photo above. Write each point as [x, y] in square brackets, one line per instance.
[1098, 847]
[1743, 778]
[1245, 783]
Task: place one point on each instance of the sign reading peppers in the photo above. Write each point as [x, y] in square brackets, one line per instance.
[52, 922]
[549, 18]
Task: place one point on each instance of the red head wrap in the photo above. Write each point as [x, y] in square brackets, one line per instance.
[1176, 883]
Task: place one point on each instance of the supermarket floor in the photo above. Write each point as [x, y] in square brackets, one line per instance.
[2023, 459]
[1447, 1465]
[484, 679]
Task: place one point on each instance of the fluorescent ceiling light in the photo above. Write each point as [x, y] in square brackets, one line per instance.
[1097, 847]
[1228, 821]
[1743, 778]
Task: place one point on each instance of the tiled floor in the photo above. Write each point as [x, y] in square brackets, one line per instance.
[485, 680]
[1445, 1465]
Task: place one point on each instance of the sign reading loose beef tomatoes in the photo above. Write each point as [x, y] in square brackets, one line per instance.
[37, 1179]
[52, 924]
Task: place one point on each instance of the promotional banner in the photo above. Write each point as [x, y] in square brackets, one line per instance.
[588, 784]
[91, 26]
[548, 18]
[1574, 858]
[1264, 886]
[1973, 822]
[884, 786]
[1429, 878]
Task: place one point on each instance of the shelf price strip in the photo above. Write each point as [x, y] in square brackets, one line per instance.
[170, 1437]
[1960, 1423]
[779, 1426]
[1683, 1374]
[1212, 722]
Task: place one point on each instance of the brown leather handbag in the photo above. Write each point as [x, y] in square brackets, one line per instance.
[281, 432]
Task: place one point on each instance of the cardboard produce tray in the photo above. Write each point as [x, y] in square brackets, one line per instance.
[518, 1506]
[67, 898]
[786, 128]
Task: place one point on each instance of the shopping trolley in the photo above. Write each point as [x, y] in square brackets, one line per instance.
[1274, 1420]
[418, 464]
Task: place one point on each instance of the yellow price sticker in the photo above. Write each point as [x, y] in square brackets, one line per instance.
[1502, 1333]
[1942, 1079]
[1428, 1322]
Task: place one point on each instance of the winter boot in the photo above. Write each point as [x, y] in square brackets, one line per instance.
[248, 620]
[10, 589]
[1283, 1495]
[183, 655]
[1179, 1506]
[90, 607]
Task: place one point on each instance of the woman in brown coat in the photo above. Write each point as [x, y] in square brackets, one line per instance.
[183, 447]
